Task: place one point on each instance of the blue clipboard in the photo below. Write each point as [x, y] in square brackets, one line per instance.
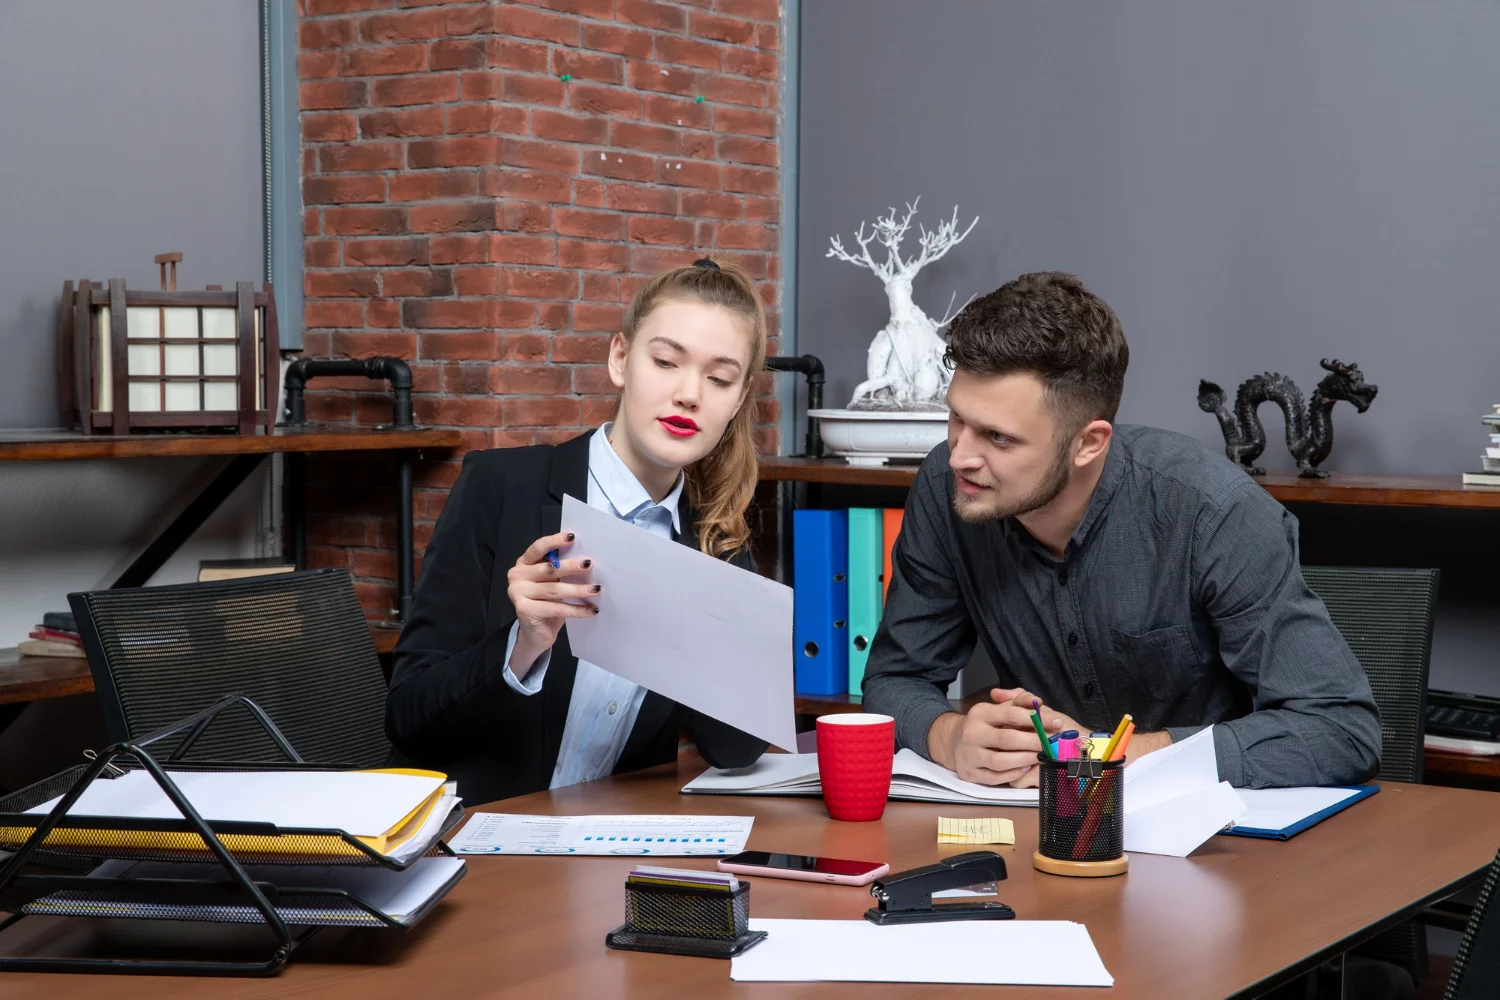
[1362, 792]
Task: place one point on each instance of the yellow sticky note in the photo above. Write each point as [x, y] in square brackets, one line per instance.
[983, 830]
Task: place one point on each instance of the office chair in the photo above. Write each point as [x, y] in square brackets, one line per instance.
[1476, 968]
[1386, 617]
[295, 644]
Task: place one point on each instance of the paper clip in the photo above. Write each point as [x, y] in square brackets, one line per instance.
[110, 770]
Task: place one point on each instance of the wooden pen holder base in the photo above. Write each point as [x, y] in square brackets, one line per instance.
[1079, 869]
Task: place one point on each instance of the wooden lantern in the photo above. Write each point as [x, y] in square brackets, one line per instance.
[132, 361]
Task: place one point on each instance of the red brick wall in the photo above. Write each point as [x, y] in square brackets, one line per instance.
[469, 210]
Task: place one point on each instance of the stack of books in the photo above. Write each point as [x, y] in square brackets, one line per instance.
[1490, 476]
[57, 635]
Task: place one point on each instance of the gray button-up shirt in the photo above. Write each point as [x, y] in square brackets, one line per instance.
[1179, 599]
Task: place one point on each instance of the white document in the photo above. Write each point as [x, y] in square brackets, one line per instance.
[1474, 748]
[995, 952]
[914, 778]
[1279, 808]
[690, 627]
[362, 803]
[514, 833]
[1174, 800]
[397, 894]
[419, 842]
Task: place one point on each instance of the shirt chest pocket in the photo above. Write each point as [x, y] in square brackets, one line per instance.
[1160, 664]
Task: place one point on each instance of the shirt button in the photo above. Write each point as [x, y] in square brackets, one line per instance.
[1088, 690]
[1072, 638]
[613, 708]
[1062, 578]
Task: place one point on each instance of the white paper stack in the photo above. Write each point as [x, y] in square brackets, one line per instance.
[397, 814]
[997, 952]
[1174, 800]
[403, 896]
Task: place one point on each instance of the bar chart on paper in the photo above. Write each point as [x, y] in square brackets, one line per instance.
[663, 836]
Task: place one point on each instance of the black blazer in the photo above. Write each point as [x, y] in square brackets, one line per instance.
[449, 707]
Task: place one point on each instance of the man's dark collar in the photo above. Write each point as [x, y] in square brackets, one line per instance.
[1104, 491]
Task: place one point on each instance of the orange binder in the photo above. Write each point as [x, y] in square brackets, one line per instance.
[892, 528]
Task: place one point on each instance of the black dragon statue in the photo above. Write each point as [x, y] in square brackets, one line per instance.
[1309, 428]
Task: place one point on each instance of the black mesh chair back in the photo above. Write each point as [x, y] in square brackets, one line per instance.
[1386, 617]
[1476, 968]
[296, 644]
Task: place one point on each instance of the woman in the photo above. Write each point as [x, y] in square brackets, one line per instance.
[484, 686]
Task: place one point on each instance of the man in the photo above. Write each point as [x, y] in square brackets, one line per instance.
[1105, 569]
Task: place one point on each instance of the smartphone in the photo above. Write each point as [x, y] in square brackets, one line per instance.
[805, 867]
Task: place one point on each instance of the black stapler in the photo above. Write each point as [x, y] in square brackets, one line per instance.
[906, 897]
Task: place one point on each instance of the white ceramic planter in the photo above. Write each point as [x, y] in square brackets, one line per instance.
[873, 437]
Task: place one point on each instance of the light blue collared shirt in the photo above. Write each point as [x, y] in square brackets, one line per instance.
[604, 706]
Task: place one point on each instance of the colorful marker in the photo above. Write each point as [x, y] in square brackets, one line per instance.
[1041, 731]
[1114, 741]
[1098, 743]
[1067, 744]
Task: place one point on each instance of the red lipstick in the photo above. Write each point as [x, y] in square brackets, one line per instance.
[682, 427]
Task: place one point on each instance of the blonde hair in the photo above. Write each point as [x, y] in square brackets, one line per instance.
[721, 484]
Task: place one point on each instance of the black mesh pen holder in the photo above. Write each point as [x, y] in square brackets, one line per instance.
[706, 923]
[1080, 817]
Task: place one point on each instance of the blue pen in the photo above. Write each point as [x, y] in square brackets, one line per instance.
[552, 558]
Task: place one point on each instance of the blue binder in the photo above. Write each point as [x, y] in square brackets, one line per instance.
[1361, 792]
[866, 589]
[820, 603]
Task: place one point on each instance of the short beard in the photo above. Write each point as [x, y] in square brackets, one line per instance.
[1046, 492]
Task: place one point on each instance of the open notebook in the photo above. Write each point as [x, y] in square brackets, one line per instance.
[913, 778]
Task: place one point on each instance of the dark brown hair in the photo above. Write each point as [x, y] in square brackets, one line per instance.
[1050, 325]
[721, 484]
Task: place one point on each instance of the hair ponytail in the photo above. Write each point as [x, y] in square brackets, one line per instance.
[721, 484]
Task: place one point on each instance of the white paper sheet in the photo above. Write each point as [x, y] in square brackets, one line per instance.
[690, 627]
[397, 894]
[662, 836]
[364, 803]
[1016, 952]
[1174, 800]
[1279, 808]
[914, 778]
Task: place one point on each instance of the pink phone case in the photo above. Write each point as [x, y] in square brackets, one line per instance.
[769, 872]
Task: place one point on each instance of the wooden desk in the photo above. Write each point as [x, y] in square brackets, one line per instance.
[1240, 915]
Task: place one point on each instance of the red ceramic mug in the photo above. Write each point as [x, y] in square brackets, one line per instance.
[855, 752]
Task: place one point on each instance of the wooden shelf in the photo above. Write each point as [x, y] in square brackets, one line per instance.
[32, 447]
[1340, 488]
[1381, 491]
[32, 678]
[834, 470]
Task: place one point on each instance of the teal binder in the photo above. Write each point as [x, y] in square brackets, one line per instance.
[866, 566]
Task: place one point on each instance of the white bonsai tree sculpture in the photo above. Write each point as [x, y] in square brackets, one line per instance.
[904, 370]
